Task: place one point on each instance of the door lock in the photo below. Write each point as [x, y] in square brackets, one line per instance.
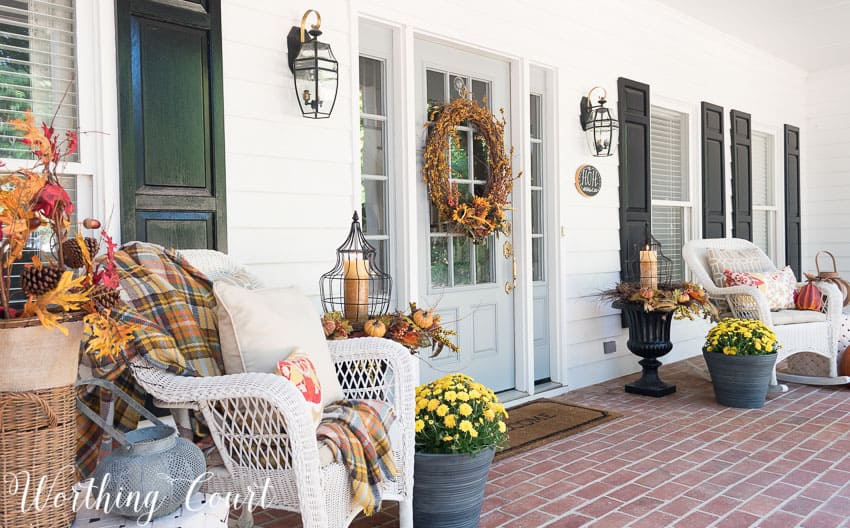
[510, 286]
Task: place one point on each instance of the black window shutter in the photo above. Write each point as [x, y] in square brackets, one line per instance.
[742, 175]
[635, 197]
[793, 242]
[713, 182]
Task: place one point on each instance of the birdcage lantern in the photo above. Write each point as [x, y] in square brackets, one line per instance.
[648, 266]
[356, 287]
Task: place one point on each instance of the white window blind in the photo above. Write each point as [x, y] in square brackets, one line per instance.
[37, 68]
[764, 204]
[670, 190]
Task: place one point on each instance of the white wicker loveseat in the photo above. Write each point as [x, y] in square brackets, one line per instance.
[263, 430]
[796, 330]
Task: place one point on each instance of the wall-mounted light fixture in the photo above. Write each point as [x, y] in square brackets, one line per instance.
[600, 125]
[314, 68]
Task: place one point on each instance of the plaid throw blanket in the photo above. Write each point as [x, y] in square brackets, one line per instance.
[173, 307]
[356, 433]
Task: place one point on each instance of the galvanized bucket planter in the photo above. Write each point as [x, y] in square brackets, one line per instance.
[448, 489]
[740, 381]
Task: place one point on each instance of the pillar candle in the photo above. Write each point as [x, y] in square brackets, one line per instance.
[648, 269]
[356, 290]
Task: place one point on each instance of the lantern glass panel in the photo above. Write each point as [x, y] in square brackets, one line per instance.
[316, 74]
[602, 132]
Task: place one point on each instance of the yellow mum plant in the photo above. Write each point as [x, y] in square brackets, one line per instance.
[741, 337]
[456, 414]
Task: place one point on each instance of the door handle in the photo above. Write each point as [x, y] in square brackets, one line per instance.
[510, 286]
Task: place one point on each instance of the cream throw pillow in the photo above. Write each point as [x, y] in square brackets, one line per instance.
[737, 260]
[258, 328]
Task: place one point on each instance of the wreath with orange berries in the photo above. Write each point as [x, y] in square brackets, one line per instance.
[475, 216]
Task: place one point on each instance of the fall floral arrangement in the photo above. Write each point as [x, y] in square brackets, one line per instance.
[68, 281]
[741, 337]
[455, 414]
[419, 328]
[476, 216]
[685, 300]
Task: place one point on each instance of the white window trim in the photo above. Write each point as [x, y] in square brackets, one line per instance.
[693, 225]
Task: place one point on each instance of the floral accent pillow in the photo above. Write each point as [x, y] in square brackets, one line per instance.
[778, 286]
[298, 369]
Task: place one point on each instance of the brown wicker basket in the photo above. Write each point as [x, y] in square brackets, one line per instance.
[38, 427]
[38, 431]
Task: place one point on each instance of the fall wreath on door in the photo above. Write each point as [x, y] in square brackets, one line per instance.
[477, 216]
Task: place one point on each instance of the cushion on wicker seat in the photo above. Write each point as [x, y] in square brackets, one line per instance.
[258, 328]
[786, 317]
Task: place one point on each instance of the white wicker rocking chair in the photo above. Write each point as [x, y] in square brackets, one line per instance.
[797, 331]
[263, 430]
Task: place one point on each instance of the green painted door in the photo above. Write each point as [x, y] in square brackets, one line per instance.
[171, 123]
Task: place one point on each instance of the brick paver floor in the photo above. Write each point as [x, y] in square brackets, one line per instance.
[681, 461]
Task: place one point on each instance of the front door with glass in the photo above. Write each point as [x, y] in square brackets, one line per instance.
[471, 284]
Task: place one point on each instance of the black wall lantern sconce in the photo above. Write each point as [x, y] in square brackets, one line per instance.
[314, 68]
[600, 125]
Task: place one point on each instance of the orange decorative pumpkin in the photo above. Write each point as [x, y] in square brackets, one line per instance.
[809, 298]
[423, 319]
[844, 364]
[374, 328]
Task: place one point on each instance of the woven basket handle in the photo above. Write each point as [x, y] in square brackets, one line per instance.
[27, 397]
[133, 404]
[817, 261]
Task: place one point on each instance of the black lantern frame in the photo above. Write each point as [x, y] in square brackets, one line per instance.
[315, 70]
[600, 125]
[661, 277]
[356, 287]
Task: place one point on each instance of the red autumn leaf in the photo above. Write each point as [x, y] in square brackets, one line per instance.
[72, 142]
[49, 196]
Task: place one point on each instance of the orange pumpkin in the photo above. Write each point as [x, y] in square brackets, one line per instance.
[809, 298]
[844, 365]
[423, 319]
[374, 328]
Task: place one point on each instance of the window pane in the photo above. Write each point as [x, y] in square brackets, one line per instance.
[762, 170]
[462, 260]
[439, 262]
[535, 116]
[484, 262]
[537, 263]
[436, 90]
[669, 154]
[457, 86]
[380, 253]
[536, 212]
[372, 151]
[459, 153]
[374, 207]
[37, 67]
[761, 231]
[536, 164]
[371, 86]
[481, 93]
[480, 157]
[668, 226]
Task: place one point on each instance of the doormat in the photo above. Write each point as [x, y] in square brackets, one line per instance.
[542, 421]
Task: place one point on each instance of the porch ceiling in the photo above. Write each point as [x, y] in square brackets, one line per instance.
[809, 33]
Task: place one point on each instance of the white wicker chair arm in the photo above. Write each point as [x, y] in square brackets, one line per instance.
[746, 302]
[833, 305]
[377, 368]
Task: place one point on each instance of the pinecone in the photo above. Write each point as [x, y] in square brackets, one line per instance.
[105, 298]
[73, 255]
[38, 281]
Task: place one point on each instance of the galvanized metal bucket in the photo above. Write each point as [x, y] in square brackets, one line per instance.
[448, 490]
[740, 381]
[152, 464]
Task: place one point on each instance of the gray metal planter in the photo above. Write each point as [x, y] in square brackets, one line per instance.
[740, 381]
[448, 490]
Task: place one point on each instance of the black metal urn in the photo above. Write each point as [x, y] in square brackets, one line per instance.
[649, 338]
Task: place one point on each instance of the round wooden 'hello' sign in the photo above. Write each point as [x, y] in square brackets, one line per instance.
[588, 180]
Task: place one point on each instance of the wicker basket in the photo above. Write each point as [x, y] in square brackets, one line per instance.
[37, 422]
